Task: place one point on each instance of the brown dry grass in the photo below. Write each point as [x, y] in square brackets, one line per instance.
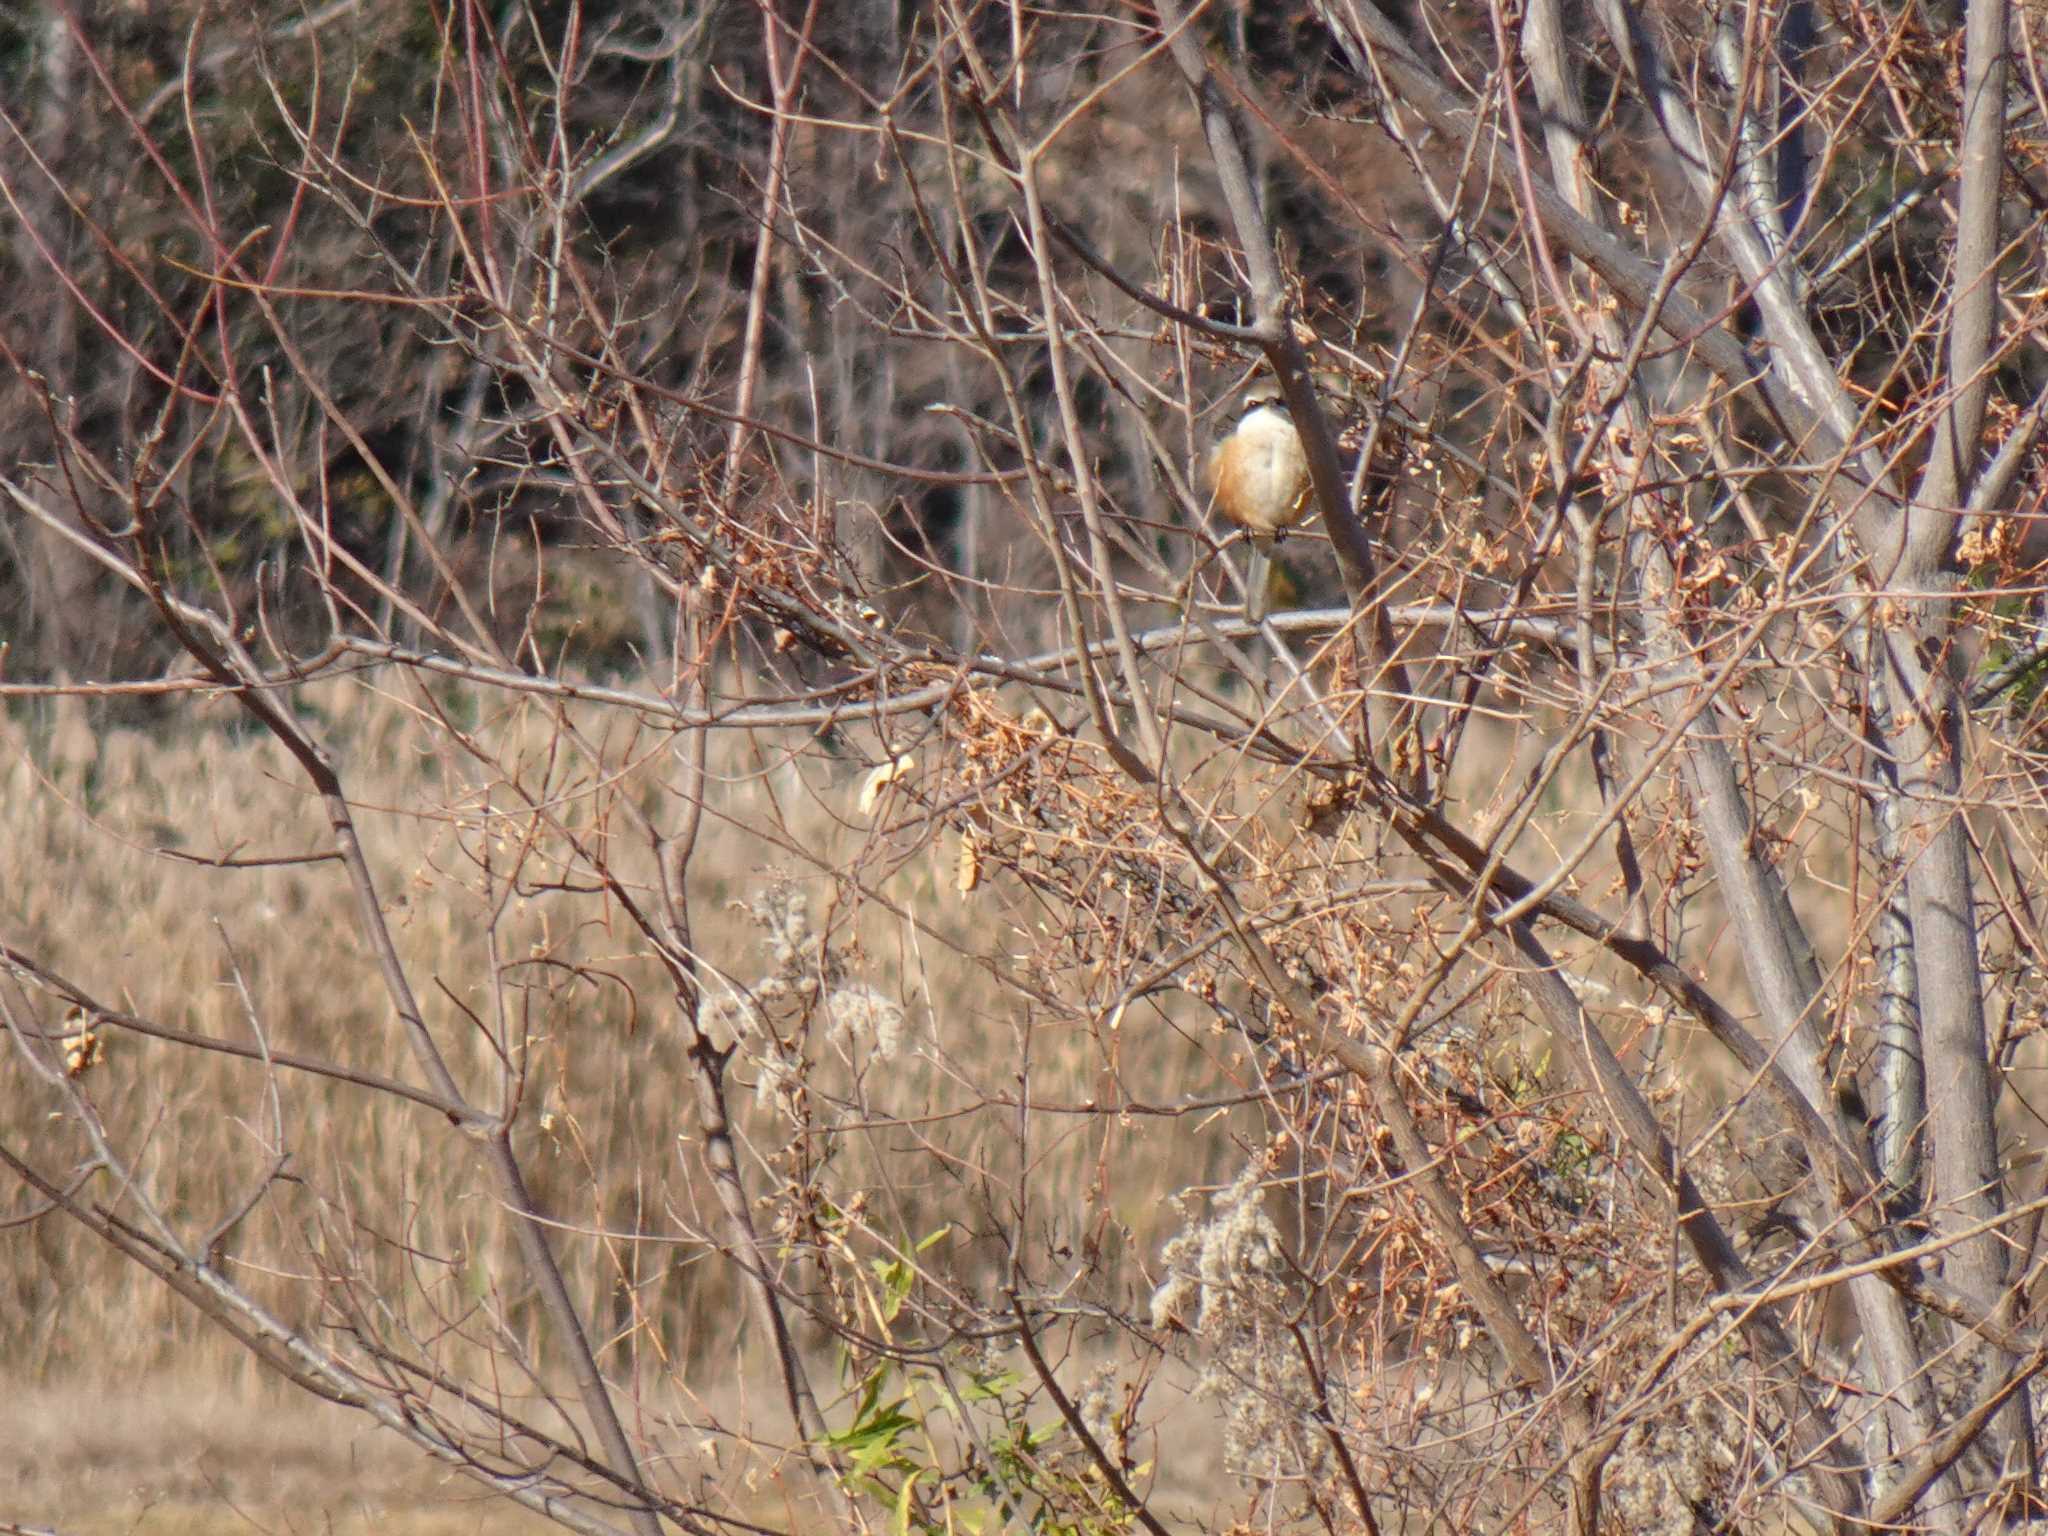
[240, 1453]
[192, 1438]
[90, 819]
[177, 1456]
[92, 814]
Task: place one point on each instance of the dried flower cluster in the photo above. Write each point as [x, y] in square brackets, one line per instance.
[807, 978]
[1228, 1281]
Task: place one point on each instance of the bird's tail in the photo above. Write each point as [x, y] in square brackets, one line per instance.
[1258, 582]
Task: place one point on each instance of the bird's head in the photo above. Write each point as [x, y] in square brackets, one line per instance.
[1265, 395]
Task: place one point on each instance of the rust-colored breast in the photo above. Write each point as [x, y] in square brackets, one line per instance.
[1259, 473]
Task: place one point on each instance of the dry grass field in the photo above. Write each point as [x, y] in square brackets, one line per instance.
[111, 838]
[164, 1455]
[115, 837]
[239, 1453]
[133, 1413]
[138, 867]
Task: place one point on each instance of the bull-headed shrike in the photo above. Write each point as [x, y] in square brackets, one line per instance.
[1258, 476]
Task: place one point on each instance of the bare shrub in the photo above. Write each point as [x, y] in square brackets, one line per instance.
[646, 838]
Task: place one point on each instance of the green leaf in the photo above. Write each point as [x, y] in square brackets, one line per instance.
[903, 1505]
